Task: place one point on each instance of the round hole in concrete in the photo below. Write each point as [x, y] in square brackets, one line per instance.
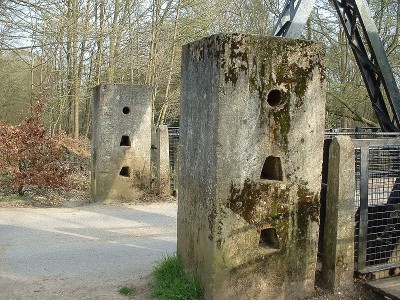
[274, 97]
[126, 110]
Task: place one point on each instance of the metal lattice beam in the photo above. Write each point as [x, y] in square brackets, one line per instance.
[364, 40]
[293, 18]
[371, 58]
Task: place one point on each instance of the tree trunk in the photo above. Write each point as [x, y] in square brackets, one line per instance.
[163, 112]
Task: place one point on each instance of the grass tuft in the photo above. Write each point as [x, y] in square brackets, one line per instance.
[172, 283]
[127, 291]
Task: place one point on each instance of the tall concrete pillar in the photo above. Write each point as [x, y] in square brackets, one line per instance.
[121, 142]
[338, 240]
[252, 129]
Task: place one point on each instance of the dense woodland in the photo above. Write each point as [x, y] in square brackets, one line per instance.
[59, 50]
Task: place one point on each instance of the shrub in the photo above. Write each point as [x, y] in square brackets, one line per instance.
[29, 157]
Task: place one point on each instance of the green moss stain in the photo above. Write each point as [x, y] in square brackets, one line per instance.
[294, 77]
[274, 208]
[280, 126]
[278, 216]
[263, 205]
[211, 221]
[266, 205]
[289, 71]
[287, 65]
[260, 58]
[244, 200]
[291, 209]
[233, 53]
[307, 210]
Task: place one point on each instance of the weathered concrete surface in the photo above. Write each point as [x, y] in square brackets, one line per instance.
[338, 240]
[161, 161]
[252, 124]
[121, 142]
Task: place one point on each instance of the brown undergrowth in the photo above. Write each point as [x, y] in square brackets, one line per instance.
[40, 169]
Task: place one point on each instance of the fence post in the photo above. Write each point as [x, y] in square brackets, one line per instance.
[160, 161]
[154, 154]
[338, 239]
[163, 186]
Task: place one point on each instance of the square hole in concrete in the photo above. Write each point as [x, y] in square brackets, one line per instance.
[269, 238]
[272, 169]
[125, 141]
[125, 172]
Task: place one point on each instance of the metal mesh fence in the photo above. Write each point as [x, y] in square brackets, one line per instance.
[173, 133]
[358, 176]
[377, 207]
[360, 133]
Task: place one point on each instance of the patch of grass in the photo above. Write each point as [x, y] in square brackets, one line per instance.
[127, 291]
[172, 283]
[16, 197]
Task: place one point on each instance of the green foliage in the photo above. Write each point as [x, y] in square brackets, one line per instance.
[172, 283]
[29, 157]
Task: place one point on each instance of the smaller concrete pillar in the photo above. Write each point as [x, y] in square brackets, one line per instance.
[161, 161]
[153, 158]
[338, 239]
[121, 142]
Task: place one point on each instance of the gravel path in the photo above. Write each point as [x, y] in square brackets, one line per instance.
[85, 252]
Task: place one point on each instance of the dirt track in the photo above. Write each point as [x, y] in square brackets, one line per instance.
[85, 252]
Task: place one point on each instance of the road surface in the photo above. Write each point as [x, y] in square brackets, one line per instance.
[85, 252]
